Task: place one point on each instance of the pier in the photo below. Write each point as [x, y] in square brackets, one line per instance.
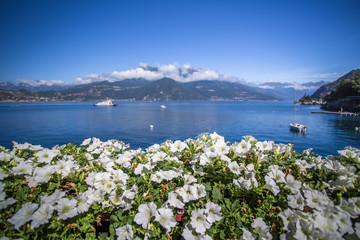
[338, 113]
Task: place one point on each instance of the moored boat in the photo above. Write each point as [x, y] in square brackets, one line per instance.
[105, 103]
[298, 127]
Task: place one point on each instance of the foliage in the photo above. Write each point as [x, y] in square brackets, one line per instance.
[347, 87]
[201, 188]
[306, 99]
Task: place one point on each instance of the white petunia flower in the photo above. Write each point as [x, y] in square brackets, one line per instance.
[271, 185]
[296, 201]
[119, 176]
[43, 174]
[199, 190]
[158, 157]
[145, 213]
[216, 137]
[125, 232]
[166, 219]
[188, 179]
[66, 208]
[42, 215]
[3, 174]
[109, 186]
[23, 215]
[344, 223]
[204, 159]
[65, 167]
[177, 146]
[198, 221]
[82, 203]
[157, 177]
[54, 197]
[316, 199]
[101, 179]
[170, 174]
[46, 155]
[357, 229]
[241, 148]
[324, 224]
[6, 157]
[287, 218]
[190, 234]
[355, 203]
[175, 200]
[95, 195]
[305, 230]
[188, 193]
[264, 146]
[261, 228]
[247, 235]
[234, 167]
[86, 142]
[7, 202]
[23, 168]
[116, 199]
[139, 169]
[276, 174]
[292, 184]
[213, 212]
[131, 193]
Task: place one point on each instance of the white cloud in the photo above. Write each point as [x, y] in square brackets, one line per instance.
[36, 83]
[266, 87]
[90, 78]
[136, 73]
[301, 87]
[181, 73]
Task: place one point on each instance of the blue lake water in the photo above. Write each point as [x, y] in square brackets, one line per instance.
[50, 124]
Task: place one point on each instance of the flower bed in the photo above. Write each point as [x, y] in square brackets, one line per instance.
[201, 188]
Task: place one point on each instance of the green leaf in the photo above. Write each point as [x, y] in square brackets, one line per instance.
[228, 204]
[114, 218]
[207, 186]
[216, 194]
[235, 205]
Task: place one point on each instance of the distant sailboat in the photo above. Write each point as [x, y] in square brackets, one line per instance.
[298, 127]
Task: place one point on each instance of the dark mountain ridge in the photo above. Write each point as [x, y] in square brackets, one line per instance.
[327, 88]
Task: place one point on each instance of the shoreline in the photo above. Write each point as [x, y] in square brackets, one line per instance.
[337, 113]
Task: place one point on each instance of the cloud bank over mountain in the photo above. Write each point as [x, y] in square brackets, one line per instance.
[181, 73]
[36, 83]
[295, 86]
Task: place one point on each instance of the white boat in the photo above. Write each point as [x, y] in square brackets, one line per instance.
[163, 106]
[298, 127]
[294, 126]
[105, 103]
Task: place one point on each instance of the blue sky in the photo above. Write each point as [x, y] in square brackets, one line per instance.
[256, 41]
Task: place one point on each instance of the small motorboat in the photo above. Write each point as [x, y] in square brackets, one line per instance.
[297, 127]
[106, 103]
[163, 106]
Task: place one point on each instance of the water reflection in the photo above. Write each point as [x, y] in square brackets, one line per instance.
[49, 124]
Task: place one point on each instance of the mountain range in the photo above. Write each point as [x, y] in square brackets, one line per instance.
[287, 91]
[165, 89]
[31, 87]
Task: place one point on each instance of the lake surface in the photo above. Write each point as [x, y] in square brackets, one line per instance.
[50, 124]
